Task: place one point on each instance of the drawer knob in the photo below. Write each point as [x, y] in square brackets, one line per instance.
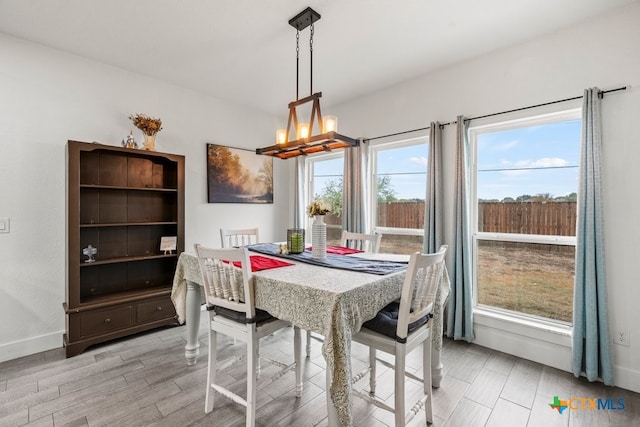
[107, 320]
[159, 308]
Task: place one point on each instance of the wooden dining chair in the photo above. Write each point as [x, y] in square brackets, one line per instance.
[401, 327]
[362, 241]
[231, 238]
[231, 306]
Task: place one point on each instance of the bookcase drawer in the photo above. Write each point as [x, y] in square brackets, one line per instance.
[157, 309]
[98, 322]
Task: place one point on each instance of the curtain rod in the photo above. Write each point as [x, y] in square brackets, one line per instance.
[395, 134]
[600, 94]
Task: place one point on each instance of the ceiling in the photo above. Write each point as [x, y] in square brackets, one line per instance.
[243, 51]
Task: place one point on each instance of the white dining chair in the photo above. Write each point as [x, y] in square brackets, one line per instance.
[401, 327]
[232, 238]
[361, 241]
[231, 306]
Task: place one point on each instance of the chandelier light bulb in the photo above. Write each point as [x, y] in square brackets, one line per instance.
[303, 130]
[329, 124]
[281, 136]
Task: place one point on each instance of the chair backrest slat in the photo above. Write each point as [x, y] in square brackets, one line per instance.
[225, 284]
[424, 274]
[238, 237]
[361, 241]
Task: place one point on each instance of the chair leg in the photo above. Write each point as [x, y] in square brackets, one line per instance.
[399, 384]
[426, 372]
[308, 344]
[211, 371]
[372, 371]
[297, 352]
[252, 377]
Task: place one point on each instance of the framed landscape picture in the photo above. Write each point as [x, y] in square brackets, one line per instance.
[236, 175]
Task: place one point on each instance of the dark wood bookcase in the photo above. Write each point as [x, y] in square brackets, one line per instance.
[122, 202]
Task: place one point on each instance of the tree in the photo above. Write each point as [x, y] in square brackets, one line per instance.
[386, 193]
[331, 194]
[265, 176]
[542, 197]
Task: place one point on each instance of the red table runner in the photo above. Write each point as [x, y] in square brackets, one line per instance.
[259, 262]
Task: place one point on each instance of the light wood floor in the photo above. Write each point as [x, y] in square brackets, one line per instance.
[144, 380]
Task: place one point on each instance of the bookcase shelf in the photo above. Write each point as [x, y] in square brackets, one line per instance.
[121, 202]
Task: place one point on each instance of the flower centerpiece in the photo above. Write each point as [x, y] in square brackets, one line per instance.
[318, 229]
[149, 126]
[316, 208]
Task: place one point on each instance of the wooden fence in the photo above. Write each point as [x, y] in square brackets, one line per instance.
[543, 218]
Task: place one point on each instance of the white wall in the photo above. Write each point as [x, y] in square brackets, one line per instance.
[48, 97]
[604, 53]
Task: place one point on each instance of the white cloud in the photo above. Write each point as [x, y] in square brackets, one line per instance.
[506, 146]
[419, 160]
[521, 166]
[547, 162]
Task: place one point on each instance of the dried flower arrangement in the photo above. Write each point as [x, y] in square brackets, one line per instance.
[316, 208]
[148, 125]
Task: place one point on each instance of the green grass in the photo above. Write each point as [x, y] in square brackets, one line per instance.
[532, 279]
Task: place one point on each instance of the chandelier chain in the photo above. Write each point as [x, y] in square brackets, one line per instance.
[297, 63]
[311, 61]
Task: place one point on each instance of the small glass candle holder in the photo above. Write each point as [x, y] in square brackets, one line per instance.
[295, 240]
[329, 124]
[303, 131]
[281, 136]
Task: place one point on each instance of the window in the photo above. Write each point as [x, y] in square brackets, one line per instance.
[325, 183]
[524, 215]
[399, 171]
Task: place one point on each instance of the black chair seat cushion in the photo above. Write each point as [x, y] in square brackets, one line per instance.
[261, 315]
[386, 321]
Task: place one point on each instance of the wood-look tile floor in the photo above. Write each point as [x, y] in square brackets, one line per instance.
[144, 380]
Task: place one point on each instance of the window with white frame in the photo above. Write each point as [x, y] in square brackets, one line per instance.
[398, 177]
[525, 182]
[325, 183]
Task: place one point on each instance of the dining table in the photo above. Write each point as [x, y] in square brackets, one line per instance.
[332, 296]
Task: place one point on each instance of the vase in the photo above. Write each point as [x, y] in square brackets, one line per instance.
[149, 142]
[318, 237]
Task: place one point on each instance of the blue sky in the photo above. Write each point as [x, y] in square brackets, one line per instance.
[405, 166]
[531, 160]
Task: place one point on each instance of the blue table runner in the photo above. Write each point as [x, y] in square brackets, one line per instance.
[334, 261]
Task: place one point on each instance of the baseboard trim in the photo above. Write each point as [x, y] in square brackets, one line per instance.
[547, 347]
[628, 379]
[29, 346]
[540, 350]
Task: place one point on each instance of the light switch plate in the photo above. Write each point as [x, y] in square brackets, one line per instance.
[4, 225]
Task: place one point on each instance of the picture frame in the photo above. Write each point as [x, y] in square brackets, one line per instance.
[238, 175]
[168, 244]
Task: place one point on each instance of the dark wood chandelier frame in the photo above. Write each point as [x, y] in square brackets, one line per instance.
[327, 141]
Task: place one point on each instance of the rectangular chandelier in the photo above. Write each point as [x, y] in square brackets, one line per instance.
[306, 141]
